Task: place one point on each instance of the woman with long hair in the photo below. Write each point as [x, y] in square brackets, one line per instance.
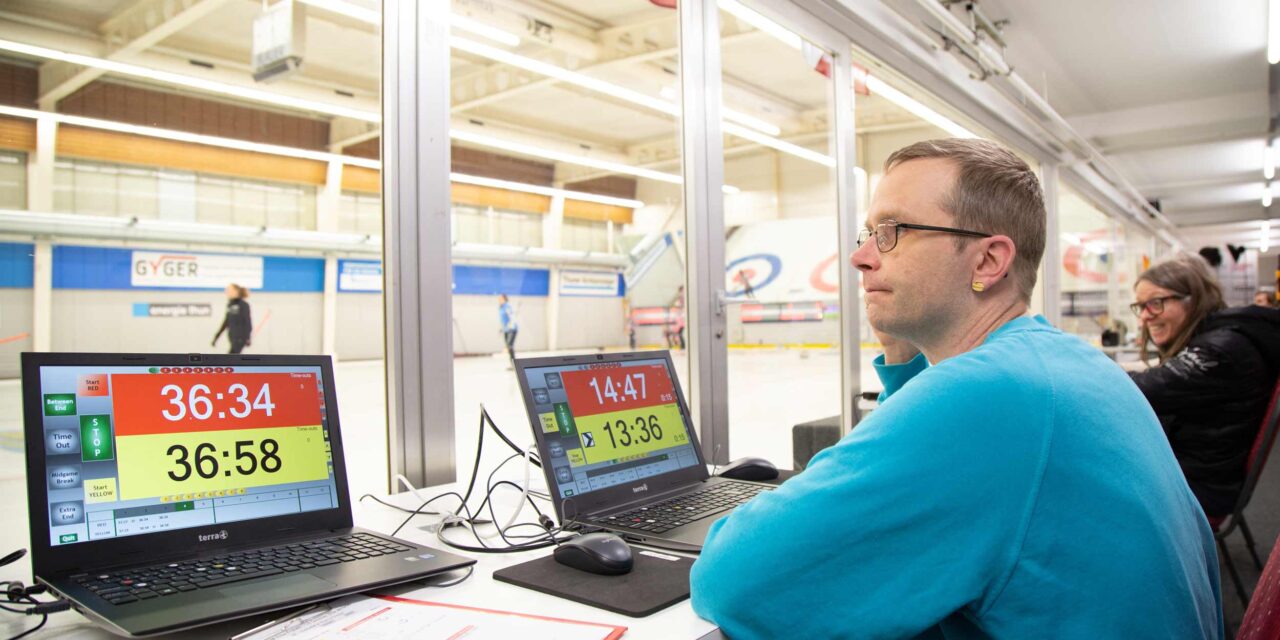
[1215, 373]
[236, 322]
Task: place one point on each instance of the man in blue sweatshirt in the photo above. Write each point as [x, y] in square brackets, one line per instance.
[1013, 483]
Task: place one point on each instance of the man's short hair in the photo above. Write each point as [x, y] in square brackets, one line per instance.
[995, 192]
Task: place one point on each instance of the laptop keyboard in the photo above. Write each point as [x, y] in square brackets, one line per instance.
[673, 512]
[132, 585]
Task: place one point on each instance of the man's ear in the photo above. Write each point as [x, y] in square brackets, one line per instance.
[995, 261]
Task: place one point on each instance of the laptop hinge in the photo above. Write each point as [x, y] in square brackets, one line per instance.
[647, 499]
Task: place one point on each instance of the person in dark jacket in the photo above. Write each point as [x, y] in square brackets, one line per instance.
[1217, 369]
[236, 323]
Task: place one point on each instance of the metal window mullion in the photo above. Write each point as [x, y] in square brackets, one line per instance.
[1051, 272]
[847, 202]
[417, 232]
[703, 165]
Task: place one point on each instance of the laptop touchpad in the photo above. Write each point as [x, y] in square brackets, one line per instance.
[278, 589]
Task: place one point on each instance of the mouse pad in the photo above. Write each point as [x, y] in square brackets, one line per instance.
[657, 580]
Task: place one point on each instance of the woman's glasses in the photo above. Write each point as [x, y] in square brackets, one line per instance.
[1154, 306]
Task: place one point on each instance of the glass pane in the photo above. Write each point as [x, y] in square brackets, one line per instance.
[781, 244]
[1087, 268]
[546, 167]
[13, 180]
[160, 226]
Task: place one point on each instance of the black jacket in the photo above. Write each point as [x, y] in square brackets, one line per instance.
[1211, 397]
[237, 323]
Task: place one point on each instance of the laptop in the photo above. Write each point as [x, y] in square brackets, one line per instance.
[171, 491]
[618, 448]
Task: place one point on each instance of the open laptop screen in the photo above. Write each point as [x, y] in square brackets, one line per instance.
[609, 423]
[137, 450]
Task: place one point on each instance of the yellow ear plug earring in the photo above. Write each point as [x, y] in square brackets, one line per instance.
[978, 286]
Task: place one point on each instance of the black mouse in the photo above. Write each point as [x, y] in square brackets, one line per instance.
[756, 469]
[602, 553]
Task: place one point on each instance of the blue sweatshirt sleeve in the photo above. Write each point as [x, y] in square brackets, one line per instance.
[893, 376]
[890, 531]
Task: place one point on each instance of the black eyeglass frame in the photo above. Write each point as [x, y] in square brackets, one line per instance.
[865, 234]
[1137, 307]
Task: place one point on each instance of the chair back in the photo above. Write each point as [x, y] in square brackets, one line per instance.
[1261, 448]
[1262, 618]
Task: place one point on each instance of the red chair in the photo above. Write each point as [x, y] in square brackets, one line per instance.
[1224, 525]
[1262, 618]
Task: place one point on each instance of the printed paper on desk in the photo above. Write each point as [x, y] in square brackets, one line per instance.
[392, 618]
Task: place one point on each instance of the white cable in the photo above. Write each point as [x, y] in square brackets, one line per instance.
[449, 518]
[524, 496]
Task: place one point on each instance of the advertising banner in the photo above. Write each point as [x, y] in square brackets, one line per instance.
[784, 261]
[194, 270]
[359, 275]
[597, 284]
[171, 310]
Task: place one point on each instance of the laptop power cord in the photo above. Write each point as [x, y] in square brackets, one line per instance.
[16, 593]
[547, 534]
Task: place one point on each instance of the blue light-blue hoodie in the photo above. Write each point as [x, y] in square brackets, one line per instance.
[1023, 489]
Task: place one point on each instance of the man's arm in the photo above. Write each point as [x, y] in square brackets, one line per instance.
[888, 532]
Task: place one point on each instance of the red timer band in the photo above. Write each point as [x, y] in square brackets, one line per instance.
[150, 404]
[596, 391]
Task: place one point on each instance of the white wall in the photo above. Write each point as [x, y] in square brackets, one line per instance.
[15, 319]
[476, 328]
[98, 320]
[360, 334]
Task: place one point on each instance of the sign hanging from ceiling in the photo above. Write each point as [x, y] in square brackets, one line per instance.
[194, 270]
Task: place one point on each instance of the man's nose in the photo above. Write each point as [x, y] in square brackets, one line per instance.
[865, 257]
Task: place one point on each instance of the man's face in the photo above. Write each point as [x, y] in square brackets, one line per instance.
[914, 290]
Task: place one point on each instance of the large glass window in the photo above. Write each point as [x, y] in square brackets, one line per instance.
[781, 246]
[136, 193]
[98, 188]
[574, 183]
[1090, 293]
[13, 180]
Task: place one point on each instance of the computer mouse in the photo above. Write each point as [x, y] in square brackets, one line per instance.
[602, 553]
[756, 469]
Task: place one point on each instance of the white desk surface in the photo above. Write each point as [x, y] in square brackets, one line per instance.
[481, 590]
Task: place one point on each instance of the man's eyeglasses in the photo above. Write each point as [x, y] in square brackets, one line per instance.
[887, 233]
[1154, 306]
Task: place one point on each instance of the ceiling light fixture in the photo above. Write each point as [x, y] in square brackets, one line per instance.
[875, 85]
[623, 93]
[1266, 195]
[463, 23]
[669, 93]
[246, 93]
[305, 154]
[569, 158]
[1268, 162]
[544, 191]
[751, 17]
[880, 87]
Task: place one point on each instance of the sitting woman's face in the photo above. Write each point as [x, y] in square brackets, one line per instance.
[1162, 326]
